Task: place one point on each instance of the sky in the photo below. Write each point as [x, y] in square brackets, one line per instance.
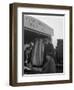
[55, 22]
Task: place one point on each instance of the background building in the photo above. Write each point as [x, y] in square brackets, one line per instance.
[59, 55]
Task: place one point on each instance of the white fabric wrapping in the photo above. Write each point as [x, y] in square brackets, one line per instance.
[37, 53]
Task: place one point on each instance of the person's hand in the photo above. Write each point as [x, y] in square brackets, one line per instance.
[26, 46]
[48, 57]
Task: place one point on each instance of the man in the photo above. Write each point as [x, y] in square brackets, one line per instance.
[49, 63]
